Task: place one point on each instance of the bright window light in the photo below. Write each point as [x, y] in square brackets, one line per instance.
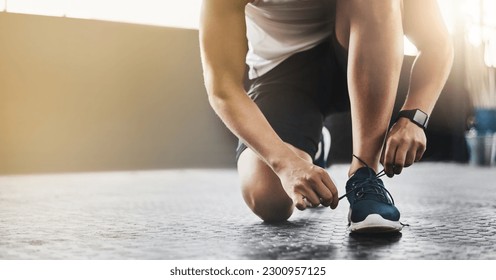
[183, 13]
[481, 24]
[409, 48]
[481, 28]
[448, 12]
[45, 7]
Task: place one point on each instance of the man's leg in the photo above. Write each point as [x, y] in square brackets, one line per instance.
[262, 189]
[290, 96]
[372, 32]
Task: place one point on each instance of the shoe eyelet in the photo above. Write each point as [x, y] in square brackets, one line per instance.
[359, 194]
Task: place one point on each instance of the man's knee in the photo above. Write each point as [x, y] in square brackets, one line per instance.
[262, 190]
[369, 18]
[270, 206]
[374, 12]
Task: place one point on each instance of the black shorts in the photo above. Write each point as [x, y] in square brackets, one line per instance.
[299, 93]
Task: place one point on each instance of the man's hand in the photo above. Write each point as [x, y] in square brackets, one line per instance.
[405, 144]
[307, 184]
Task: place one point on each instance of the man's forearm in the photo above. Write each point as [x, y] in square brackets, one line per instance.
[246, 121]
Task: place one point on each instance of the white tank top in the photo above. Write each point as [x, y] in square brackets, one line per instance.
[277, 29]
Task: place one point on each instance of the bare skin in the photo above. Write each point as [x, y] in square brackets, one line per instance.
[424, 27]
[375, 55]
[224, 65]
[277, 177]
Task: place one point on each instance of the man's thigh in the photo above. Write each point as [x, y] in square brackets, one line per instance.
[297, 95]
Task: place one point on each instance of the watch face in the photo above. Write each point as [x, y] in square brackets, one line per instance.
[420, 117]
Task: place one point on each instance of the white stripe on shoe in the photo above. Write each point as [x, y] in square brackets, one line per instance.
[375, 223]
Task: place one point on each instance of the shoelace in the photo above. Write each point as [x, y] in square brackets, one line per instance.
[377, 188]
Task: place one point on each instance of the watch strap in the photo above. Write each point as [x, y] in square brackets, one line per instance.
[416, 116]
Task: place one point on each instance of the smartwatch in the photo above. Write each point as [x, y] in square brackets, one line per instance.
[416, 116]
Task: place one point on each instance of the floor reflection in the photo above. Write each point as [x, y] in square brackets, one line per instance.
[367, 246]
[295, 240]
[307, 239]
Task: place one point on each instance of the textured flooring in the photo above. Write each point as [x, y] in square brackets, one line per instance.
[199, 214]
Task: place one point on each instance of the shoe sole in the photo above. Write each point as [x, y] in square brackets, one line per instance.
[375, 223]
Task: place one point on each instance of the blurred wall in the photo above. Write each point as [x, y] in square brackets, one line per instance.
[80, 95]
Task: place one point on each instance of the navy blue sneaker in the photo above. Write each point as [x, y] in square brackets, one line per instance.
[372, 207]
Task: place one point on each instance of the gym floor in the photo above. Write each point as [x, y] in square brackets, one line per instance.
[199, 214]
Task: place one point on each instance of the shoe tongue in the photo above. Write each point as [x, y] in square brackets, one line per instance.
[360, 175]
[364, 172]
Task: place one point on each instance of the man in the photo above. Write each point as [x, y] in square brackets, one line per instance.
[301, 54]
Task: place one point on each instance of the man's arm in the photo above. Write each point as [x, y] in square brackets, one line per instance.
[424, 26]
[223, 47]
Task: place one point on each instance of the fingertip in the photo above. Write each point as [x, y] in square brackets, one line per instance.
[300, 206]
[335, 202]
[397, 169]
[326, 200]
[419, 156]
[300, 202]
[334, 205]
